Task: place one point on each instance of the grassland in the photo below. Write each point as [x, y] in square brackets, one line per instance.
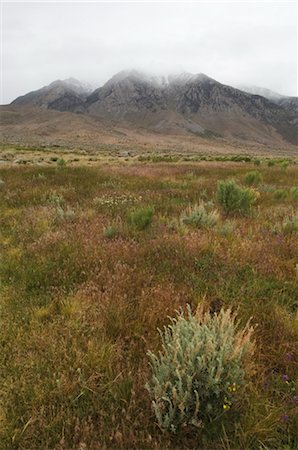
[85, 284]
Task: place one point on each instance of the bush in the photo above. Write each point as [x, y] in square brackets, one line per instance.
[257, 162]
[290, 225]
[65, 214]
[199, 217]
[141, 218]
[253, 178]
[226, 229]
[294, 193]
[233, 198]
[201, 365]
[271, 163]
[110, 232]
[280, 194]
[56, 199]
[61, 162]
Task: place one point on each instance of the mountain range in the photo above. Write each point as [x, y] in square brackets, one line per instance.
[184, 103]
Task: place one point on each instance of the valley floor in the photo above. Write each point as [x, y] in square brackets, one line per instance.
[89, 274]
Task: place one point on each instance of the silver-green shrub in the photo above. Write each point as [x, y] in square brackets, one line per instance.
[198, 216]
[201, 365]
[290, 224]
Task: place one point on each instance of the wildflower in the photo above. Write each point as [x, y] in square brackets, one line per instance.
[233, 388]
[289, 356]
[226, 406]
[285, 378]
[284, 418]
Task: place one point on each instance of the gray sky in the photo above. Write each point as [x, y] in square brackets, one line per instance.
[251, 43]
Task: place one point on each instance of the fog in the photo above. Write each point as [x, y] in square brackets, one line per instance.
[235, 43]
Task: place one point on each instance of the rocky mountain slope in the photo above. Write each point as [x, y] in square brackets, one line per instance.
[61, 95]
[287, 102]
[196, 104]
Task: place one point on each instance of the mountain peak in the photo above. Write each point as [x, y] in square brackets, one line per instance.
[184, 101]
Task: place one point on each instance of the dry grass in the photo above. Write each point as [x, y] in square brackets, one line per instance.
[79, 310]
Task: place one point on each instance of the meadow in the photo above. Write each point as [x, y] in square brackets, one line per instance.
[95, 259]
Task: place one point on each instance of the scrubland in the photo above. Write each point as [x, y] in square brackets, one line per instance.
[94, 260]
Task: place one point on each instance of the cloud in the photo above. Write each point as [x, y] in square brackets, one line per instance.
[245, 43]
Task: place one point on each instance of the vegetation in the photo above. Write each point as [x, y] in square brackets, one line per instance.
[141, 218]
[253, 178]
[198, 216]
[80, 306]
[294, 192]
[280, 194]
[201, 367]
[234, 199]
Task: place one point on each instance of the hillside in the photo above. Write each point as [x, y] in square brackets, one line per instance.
[193, 104]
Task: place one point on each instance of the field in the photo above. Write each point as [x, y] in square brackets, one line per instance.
[96, 257]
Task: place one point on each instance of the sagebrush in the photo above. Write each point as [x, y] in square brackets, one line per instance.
[233, 198]
[199, 217]
[201, 364]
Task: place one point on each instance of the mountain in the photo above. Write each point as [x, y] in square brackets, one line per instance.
[127, 95]
[257, 90]
[289, 103]
[61, 95]
[184, 103]
[194, 102]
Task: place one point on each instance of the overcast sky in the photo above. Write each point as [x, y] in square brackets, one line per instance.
[250, 43]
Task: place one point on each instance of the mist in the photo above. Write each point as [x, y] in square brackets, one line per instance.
[235, 43]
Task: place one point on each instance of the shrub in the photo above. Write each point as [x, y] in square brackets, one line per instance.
[294, 193]
[233, 198]
[271, 163]
[199, 217]
[56, 199]
[285, 164]
[110, 232]
[227, 229]
[201, 365]
[257, 162]
[61, 162]
[65, 214]
[280, 194]
[253, 178]
[141, 218]
[290, 224]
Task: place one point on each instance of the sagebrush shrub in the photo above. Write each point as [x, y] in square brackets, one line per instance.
[65, 214]
[56, 199]
[227, 228]
[141, 218]
[294, 193]
[285, 164]
[253, 178]
[290, 224]
[198, 216]
[202, 362]
[280, 194]
[110, 232]
[61, 162]
[233, 198]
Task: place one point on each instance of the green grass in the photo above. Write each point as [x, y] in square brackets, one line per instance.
[88, 275]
